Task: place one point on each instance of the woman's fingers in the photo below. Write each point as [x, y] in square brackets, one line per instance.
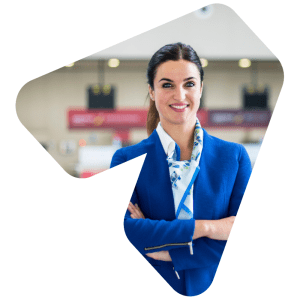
[135, 211]
[152, 255]
[132, 209]
[139, 211]
[161, 255]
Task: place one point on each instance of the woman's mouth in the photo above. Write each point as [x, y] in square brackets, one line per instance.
[179, 107]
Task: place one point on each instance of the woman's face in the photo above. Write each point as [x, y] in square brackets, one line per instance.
[177, 92]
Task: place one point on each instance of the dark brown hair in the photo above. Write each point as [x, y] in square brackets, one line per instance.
[168, 52]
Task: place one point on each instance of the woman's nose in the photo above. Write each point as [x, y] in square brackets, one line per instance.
[179, 94]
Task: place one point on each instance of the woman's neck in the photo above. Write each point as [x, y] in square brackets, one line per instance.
[183, 135]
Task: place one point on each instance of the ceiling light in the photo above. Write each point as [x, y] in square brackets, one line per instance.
[244, 63]
[70, 65]
[113, 62]
[204, 62]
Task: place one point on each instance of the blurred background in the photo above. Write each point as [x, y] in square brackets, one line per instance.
[83, 112]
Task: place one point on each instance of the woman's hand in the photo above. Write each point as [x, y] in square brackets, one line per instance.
[161, 255]
[135, 211]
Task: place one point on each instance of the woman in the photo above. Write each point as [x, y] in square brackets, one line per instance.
[191, 184]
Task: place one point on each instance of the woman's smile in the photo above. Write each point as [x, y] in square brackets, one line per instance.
[179, 107]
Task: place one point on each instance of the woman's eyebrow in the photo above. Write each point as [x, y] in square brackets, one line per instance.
[167, 79]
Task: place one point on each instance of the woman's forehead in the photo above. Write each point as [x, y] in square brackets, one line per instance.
[177, 70]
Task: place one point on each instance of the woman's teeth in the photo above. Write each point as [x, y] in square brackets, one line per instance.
[179, 107]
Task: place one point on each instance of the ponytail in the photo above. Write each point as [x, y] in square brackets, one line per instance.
[152, 118]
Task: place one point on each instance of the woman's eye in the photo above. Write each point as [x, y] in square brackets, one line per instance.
[167, 85]
[190, 84]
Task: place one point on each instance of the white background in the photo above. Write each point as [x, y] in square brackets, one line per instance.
[62, 237]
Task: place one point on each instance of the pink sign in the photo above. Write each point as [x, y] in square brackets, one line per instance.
[80, 118]
[124, 119]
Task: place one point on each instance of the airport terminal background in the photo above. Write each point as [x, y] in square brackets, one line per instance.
[82, 113]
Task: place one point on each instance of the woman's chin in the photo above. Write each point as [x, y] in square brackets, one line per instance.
[181, 120]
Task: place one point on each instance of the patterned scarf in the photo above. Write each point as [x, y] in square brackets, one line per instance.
[183, 174]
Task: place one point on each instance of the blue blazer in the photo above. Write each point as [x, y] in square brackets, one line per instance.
[225, 169]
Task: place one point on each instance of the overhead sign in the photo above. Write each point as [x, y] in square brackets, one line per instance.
[102, 118]
[81, 118]
[241, 118]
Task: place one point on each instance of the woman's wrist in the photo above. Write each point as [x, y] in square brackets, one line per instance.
[213, 229]
[201, 229]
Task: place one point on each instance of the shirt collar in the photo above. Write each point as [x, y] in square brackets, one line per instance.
[166, 141]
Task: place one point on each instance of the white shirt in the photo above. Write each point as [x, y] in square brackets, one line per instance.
[166, 141]
[169, 146]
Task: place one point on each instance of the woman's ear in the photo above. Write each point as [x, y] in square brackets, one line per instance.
[201, 89]
[151, 92]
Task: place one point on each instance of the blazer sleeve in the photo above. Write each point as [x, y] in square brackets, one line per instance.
[154, 235]
[207, 251]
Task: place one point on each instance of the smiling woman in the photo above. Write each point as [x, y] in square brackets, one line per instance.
[191, 184]
[176, 93]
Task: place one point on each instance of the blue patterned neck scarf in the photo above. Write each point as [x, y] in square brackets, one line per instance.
[183, 174]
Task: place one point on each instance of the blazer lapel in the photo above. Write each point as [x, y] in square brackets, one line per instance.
[161, 191]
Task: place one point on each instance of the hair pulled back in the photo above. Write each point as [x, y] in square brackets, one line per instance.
[168, 52]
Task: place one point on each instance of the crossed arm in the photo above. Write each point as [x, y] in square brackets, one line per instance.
[214, 233]
[213, 229]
